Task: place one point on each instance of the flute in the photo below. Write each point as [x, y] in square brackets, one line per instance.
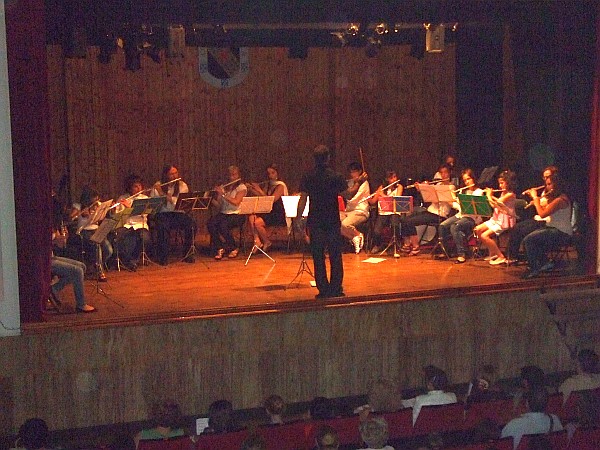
[536, 188]
[434, 181]
[375, 193]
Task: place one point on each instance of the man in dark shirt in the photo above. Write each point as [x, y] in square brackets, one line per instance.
[323, 186]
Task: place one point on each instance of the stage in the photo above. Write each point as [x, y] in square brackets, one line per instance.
[210, 288]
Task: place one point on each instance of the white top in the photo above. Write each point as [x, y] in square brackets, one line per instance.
[228, 208]
[430, 399]
[530, 423]
[170, 206]
[459, 214]
[561, 220]
[82, 222]
[135, 222]
[355, 204]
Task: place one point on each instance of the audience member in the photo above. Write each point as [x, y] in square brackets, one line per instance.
[220, 417]
[166, 420]
[531, 377]
[33, 435]
[275, 408]
[384, 396]
[482, 388]
[327, 438]
[437, 382]
[536, 420]
[587, 377]
[374, 433]
[254, 442]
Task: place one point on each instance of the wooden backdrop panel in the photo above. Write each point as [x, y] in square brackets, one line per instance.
[108, 121]
[100, 376]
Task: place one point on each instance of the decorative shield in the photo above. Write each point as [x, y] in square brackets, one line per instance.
[223, 67]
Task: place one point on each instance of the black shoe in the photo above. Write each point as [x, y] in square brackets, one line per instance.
[190, 259]
[531, 274]
[322, 295]
[129, 265]
[337, 294]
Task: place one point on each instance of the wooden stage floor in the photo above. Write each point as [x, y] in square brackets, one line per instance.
[212, 288]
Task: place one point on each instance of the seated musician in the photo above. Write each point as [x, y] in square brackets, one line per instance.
[357, 207]
[435, 213]
[170, 186]
[258, 223]
[503, 217]
[526, 226]
[385, 218]
[228, 199]
[556, 217]
[460, 226]
[134, 234]
[69, 271]
[84, 212]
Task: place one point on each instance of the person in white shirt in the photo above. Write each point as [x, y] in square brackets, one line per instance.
[374, 433]
[460, 226]
[357, 207]
[536, 421]
[437, 382]
[168, 218]
[587, 377]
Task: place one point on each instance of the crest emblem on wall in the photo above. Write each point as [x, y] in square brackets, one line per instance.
[223, 67]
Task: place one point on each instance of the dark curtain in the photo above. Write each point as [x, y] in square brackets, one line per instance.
[28, 89]
[479, 97]
[592, 200]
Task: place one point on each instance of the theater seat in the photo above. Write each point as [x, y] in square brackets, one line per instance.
[181, 443]
[440, 418]
[399, 423]
[557, 440]
[290, 436]
[223, 441]
[346, 428]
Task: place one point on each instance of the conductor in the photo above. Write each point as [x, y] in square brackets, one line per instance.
[323, 185]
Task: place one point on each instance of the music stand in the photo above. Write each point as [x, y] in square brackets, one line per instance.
[99, 235]
[143, 207]
[291, 205]
[437, 193]
[253, 206]
[487, 175]
[122, 217]
[395, 205]
[474, 205]
[188, 202]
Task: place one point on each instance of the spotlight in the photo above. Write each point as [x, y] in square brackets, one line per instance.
[373, 46]
[353, 29]
[381, 28]
[340, 38]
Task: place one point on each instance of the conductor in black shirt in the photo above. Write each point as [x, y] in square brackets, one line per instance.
[323, 185]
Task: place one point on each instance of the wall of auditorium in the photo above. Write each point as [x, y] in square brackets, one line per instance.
[107, 121]
[101, 376]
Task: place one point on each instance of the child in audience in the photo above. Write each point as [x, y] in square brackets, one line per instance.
[275, 407]
[166, 421]
[437, 382]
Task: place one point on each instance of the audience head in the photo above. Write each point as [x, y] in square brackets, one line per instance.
[374, 432]
[588, 361]
[327, 438]
[166, 414]
[537, 398]
[322, 408]
[384, 396]
[33, 434]
[510, 178]
[254, 442]
[322, 155]
[436, 379]
[275, 407]
[220, 416]
[532, 376]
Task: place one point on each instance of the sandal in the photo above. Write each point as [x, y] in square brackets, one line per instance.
[233, 253]
[415, 251]
[405, 248]
[219, 254]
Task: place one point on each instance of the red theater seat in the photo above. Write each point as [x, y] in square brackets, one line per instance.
[585, 439]
[557, 440]
[399, 423]
[182, 443]
[224, 441]
[440, 418]
[500, 411]
[346, 428]
[291, 436]
[500, 444]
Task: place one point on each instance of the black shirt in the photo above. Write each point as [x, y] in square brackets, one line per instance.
[323, 186]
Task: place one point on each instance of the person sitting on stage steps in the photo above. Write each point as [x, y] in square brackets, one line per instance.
[436, 212]
[460, 226]
[228, 199]
[357, 211]
[385, 218]
[503, 218]
[134, 234]
[69, 271]
[323, 185]
[258, 223]
[167, 218]
[84, 212]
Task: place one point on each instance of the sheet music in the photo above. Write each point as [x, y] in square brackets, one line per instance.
[257, 205]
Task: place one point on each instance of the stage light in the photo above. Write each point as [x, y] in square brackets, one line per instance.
[176, 41]
[434, 38]
[353, 29]
[340, 38]
[381, 28]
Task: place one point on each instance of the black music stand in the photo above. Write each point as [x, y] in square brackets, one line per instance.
[294, 206]
[143, 207]
[188, 202]
[121, 217]
[396, 205]
[252, 206]
[437, 193]
[487, 175]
